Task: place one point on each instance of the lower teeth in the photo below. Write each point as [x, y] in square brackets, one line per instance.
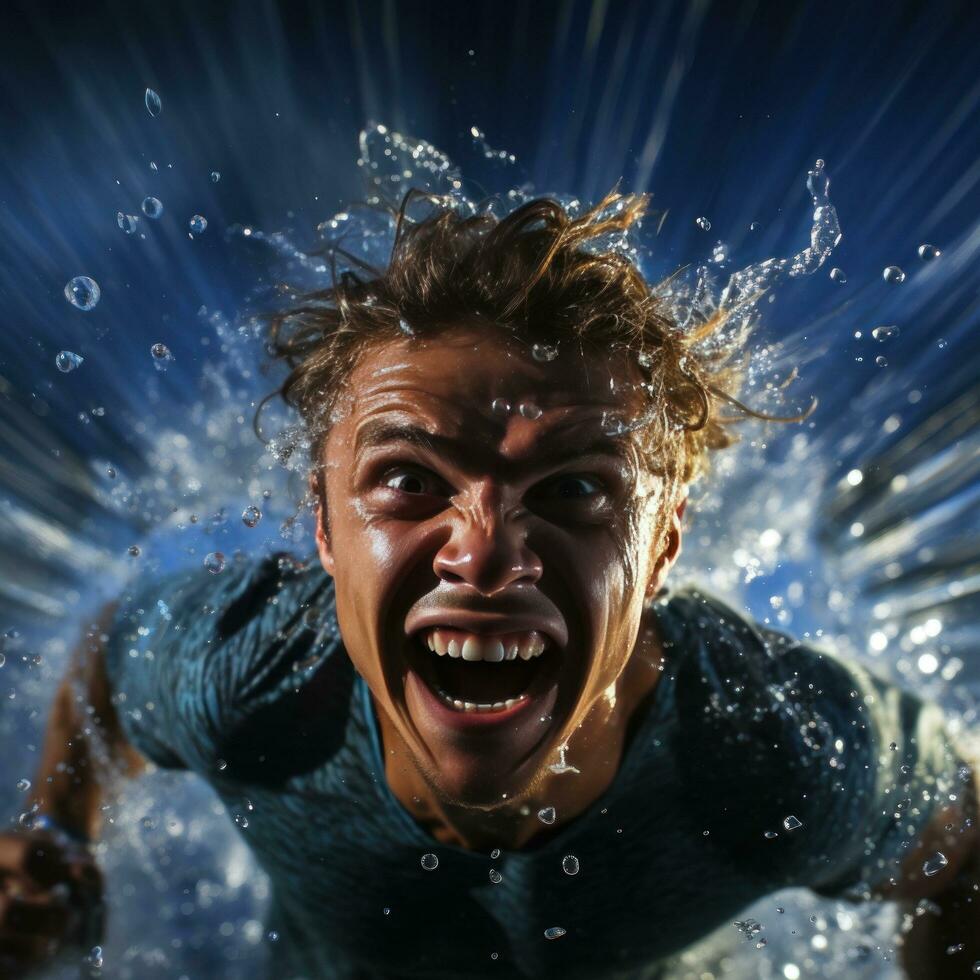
[479, 708]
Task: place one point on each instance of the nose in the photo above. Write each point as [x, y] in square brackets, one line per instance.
[488, 552]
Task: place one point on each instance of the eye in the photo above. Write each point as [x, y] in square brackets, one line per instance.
[573, 486]
[413, 481]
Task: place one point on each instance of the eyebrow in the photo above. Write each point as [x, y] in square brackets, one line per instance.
[378, 432]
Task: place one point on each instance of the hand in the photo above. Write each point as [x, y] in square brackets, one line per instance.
[50, 897]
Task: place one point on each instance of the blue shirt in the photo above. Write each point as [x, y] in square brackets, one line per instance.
[242, 678]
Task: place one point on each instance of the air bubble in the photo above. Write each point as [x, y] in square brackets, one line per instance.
[495, 876]
[770, 834]
[23, 785]
[83, 292]
[544, 352]
[133, 551]
[197, 224]
[792, 823]
[430, 862]
[885, 333]
[215, 562]
[935, 864]
[881, 361]
[893, 274]
[837, 275]
[162, 358]
[529, 410]
[153, 102]
[251, 516]
[547, 814]
[500, 406]
[569, 864]
[495, 853]
[152, 207]
[554, 932]
[703, 223]
[215, 176]
[67, 361]
[929, 252]
[127, 222]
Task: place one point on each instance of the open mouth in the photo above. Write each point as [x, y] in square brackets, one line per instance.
[481, 673]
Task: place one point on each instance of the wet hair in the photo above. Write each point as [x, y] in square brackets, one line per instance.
[546, 277]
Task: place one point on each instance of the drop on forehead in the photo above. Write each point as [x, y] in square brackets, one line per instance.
[476, 367]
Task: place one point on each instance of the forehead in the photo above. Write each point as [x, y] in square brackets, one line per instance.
[465, 378]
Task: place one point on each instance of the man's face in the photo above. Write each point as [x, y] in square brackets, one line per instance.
[478, 510]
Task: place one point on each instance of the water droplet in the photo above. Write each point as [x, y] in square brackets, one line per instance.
[893, 274]
[544, 352]
[251, 516]
[554, 932]
[495, 853]
[214, 562]
[529, 410]
[197, 224]
[935, 864]
[495, 876]
[272, 936]
[792, 823]
[881, 361]
[241, 820]
[153, 103]
[83, 292]
[133, 551]
[703, 223]
[547, 814]
[818, 183]
[152, 207]
[430, 862]
[569, 864]
[128, 222]
[885, 333]
[838, 275]
[221, 765]
[755, 226]
[215, 176]
[67, 361]
[500, 406]
[23, 785]
[929, 252]
[386, 910]
[162, 358]
[94, 957]
[770, 834]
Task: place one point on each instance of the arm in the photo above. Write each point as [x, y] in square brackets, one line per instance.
[943, 909]
[73, 775]
[50, 887]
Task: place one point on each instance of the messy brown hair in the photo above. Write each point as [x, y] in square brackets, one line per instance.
[544, 276]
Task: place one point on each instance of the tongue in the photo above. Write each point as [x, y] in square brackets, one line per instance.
[485, 683]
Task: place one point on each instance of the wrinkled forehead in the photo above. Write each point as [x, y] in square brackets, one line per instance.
[469, 374]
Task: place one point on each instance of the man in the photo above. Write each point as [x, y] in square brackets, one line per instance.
[489, 741]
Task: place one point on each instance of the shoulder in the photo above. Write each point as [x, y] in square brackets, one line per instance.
[187, 611]
[768, 729]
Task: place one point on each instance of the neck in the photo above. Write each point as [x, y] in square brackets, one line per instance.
[595, 748]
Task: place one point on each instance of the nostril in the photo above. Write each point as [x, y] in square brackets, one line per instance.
[448, 576]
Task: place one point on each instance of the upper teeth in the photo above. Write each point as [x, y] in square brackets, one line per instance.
[471, 646]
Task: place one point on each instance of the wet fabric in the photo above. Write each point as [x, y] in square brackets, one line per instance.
[242, 678]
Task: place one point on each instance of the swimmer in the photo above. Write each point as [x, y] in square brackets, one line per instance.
[479, 732]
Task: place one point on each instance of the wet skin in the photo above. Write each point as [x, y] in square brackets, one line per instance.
[442, 508]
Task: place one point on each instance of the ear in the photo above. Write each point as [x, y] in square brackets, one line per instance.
[671, 551]
[323, 547]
